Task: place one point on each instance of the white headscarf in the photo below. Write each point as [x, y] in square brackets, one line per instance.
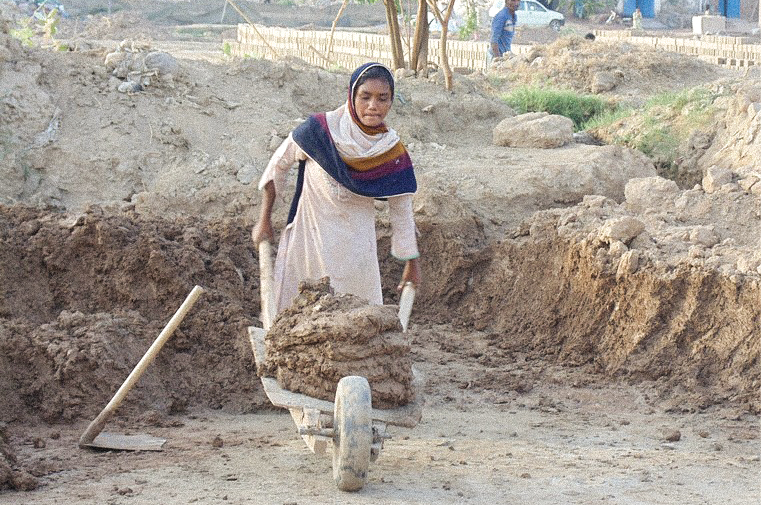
[351, 141]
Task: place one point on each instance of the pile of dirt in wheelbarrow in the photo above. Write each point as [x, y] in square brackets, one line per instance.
[323, 337]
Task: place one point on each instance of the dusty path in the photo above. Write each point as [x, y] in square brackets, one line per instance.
[553, 445]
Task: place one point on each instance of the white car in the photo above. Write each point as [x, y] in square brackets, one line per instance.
[532, 13]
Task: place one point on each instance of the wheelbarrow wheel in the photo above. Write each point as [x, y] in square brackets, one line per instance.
[352, 433]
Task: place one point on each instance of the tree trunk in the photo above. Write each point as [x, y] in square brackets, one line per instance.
[419, 56]
[445, 59]
[333, 28]
[394, 34]
[444, 20]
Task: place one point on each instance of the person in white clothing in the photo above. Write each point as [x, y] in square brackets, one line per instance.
[347, 158]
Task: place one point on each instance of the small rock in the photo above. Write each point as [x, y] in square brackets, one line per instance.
[163, 63]
[606, 80]
[704, 235]
[674, 436]
[130, 87]
[23, 481]
[623, 229]
[747, 183]
[217, 442]
[617, 248]
[275, 142]
[715, 178]
[644, 193]
[628, 264]
[247, 174]
[534, 129]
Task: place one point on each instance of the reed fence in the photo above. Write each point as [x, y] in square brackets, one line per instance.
[350, 49]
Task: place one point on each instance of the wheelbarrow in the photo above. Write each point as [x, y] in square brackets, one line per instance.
[349, 425]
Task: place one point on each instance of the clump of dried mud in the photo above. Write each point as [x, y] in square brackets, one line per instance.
[324, 337]
[11, 475]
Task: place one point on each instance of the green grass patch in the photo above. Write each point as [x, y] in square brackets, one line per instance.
[661, 127]
[575, 106]
[608, 117]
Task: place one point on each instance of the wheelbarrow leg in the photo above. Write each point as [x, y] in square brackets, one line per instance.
[352, 433]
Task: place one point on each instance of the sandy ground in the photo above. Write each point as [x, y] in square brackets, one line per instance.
[557, 443]
[558, 370]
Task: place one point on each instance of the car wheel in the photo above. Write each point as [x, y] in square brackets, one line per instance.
[555, 25]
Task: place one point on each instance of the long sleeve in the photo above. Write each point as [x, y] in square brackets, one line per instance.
[281, 162]
[403, 231]
[497, 26]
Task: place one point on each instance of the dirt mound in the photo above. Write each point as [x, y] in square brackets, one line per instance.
[10, 48]
[84, 296]
[624, 71]
[715, 124]
[118, 26]
[564, 289]
[324, 337]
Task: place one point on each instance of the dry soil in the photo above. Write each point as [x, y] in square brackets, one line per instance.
[567, 359]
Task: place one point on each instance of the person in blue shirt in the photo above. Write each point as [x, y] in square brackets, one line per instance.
[503, 28]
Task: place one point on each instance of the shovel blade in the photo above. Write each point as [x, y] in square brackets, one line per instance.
[119, 442]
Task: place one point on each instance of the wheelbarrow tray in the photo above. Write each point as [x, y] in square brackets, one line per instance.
[407, 416]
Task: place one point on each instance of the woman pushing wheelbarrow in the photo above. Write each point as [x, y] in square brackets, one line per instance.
[346, 159]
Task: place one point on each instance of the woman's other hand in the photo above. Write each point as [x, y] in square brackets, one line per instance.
[411, 274]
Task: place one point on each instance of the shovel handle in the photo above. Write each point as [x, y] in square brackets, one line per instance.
[96, 426]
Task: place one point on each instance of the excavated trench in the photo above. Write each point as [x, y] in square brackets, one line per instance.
[85, 296]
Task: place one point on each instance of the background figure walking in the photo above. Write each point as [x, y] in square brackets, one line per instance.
[503, 29]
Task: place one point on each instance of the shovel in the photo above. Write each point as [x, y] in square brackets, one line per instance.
[92, 437]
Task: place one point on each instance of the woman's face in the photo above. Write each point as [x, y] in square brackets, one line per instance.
[372, 102]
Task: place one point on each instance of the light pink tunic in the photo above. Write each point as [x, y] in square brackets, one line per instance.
[333, 232]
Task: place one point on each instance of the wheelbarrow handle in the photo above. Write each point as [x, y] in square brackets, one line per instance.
[406, 299]
[266, 284]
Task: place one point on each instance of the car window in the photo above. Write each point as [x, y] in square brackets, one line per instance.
[522, 6]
